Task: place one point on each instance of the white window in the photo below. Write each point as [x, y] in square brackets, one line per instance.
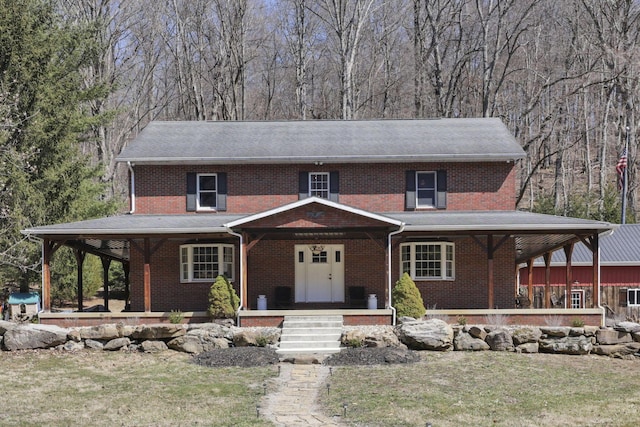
[207, 191]
[319, 184]
[426, 189]
[633, 297]
[428, 260]
[203, 263]
[577, 299]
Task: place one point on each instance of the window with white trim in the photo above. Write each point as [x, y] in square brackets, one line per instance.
[426, 189]
[319, 184]
[633, 297]
[205, 262]
[577, 298]
[207, 191]
[428, 260]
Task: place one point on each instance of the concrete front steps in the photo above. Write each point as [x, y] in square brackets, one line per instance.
[310, 335]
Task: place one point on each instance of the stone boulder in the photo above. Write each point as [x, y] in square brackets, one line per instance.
[566, 345]
[381, 337]
[6, 326]
[25, 337]
[72, 345]
[153, 346]
[159, 331]
[500, 340]
[98, 332]
[630, 327]
[555, 331]
[198, 341]
[617, 350]
[526, 335]
[93, 344]
[610, 337]
[432, 334]
[117, 344]
[465, 342]
[476, 332]
[255, 337]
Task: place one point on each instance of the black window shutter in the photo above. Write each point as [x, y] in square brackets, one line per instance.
[410, 192]
[221, 202]
[441, 197]
[303, 185]
[191, 191]
[334, 186]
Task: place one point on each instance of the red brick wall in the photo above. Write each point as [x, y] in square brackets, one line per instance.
[372, 187]
[469, 289]
[272, 263]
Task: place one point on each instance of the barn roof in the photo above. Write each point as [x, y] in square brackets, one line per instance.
[335, 141]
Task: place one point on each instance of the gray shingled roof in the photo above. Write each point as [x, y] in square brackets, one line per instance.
[622, 247]
[226, 142]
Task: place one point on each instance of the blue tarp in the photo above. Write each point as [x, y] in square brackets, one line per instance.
[24, 298]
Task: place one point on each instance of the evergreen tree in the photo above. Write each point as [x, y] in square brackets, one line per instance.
[223, 301]
[44, 177]
[406, 298]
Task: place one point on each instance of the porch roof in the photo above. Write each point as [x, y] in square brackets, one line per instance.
[534, 234]
[335, 141]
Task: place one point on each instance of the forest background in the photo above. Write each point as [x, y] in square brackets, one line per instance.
[81, 78]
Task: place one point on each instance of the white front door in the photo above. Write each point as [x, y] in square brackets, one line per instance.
[319, 273]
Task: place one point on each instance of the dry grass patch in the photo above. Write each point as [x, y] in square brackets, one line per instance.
[129, 389]
[489, 389]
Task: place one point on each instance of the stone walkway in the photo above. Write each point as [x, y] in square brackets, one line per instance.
[294, 401]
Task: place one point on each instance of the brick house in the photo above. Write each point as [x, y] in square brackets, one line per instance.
[320, 215]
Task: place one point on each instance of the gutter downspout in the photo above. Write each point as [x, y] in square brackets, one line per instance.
[133, 187]
[389, 236]
[242, 296]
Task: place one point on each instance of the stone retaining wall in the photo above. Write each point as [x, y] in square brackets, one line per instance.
[623, 340]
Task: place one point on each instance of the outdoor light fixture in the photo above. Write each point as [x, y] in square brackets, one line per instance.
[316, 249]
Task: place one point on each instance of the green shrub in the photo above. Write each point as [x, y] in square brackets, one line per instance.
[223, 300]
[462, 320]
[407, 299]
[176, 317]
[577, 322]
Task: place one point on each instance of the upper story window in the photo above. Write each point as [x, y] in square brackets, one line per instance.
[319, 184]
[426, 189]
[205, 262]
[206, 191]
[428, 260]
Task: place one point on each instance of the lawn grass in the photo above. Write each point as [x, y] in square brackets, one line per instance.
[489, 389]
[107, 389]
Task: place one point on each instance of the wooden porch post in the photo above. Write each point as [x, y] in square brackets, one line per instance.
[530, 280]
[490, 251]
[106, 263]
[80, 255]
[147, 275]
[568, 251]
[595, 248]
[547, 280]
[47, 252]
[126, 269]
[244, 255]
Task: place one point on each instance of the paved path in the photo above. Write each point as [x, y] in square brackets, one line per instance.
[294, 401]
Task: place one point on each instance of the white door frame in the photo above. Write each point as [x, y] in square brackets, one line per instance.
[319, 274]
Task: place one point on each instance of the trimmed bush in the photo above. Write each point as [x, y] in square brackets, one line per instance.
[406, 298]
[223, 300]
